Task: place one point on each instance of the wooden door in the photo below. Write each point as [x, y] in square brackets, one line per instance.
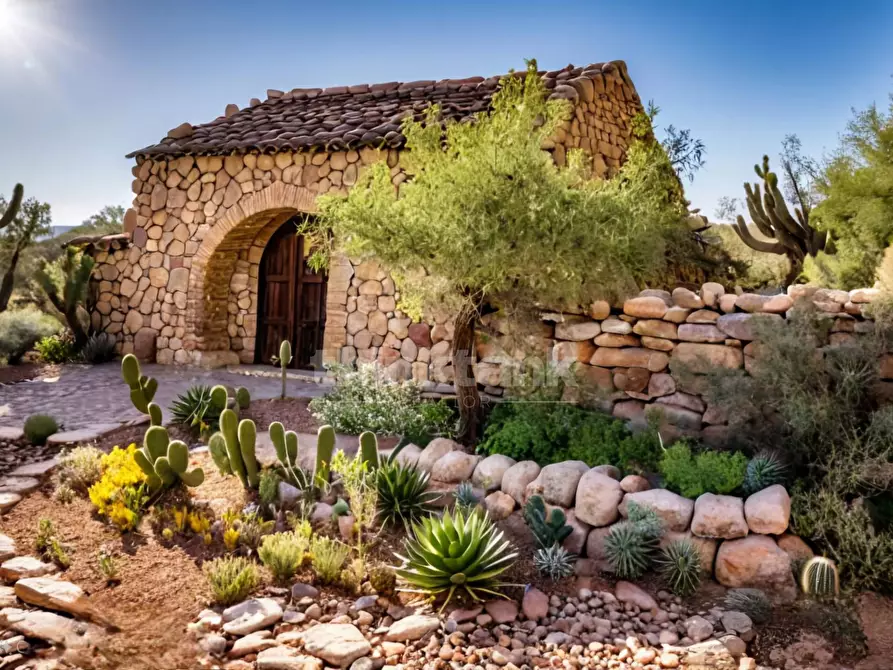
[292, 302]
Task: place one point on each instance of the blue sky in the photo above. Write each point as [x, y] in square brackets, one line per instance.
[87, 81]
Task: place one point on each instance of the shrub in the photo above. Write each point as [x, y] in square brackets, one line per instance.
[231, 578]
[120, 494]
[56, 348]
[680, 565]
[328, 556]
[383, 579]
[708, 472]
[38, 427]
[456, 551]
[99, 348]
[548, 529]
[366, 400]
[551, 433]
[555, 562]
[283, 553]
[402, 493]
[630, 545]
[21, 329]
[79, 468]
[196, 410]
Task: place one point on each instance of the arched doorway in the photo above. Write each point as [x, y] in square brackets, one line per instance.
[292, 301]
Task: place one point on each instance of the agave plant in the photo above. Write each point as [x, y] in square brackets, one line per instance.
[455, 551]
[556, 562]
[195, 409]
[764, 470]
[819, 578]
[402, 492]
[466, 498]
[631, 544]
[680, 565]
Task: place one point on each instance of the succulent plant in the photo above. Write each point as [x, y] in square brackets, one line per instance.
[200, 407]
[631, 545]
[284, 362]
[548, 529]
[455, 551]
[142, 388]
[680, 565]
[369, 450]
[285, 442]
[233, 448]
[402, 493]
[38, 427]
[99, 348]
[764, 470]
[466, 498]
[819, 577]
[555, 562]
[383, 579]
[753, 602]
[325, 449]
[166, 462]
[243, 398]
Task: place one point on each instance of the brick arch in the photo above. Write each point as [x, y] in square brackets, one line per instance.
[238, 231]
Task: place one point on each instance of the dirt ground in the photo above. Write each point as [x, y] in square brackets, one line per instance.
[292, 412]
[12, 374]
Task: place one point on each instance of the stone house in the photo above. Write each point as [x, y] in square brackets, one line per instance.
[209, 270]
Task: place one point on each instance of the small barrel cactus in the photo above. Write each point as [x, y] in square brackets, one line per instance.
[555, 562]
[142, 388]
[764, 470]
[38, 427]
[820, 578]
[165, 462]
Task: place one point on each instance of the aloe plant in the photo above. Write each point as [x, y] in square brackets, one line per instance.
[455, 551]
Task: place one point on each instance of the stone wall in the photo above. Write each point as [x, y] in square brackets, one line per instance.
[185, 289]
[743, 542]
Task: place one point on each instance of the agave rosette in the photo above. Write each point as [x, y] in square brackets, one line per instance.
[402, 492]
[455, 551]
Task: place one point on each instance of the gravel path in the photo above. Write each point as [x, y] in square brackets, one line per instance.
[85, 395]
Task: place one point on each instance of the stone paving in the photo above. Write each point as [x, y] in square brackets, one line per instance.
[86, 395]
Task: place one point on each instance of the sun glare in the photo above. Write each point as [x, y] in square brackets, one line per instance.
[30, 36]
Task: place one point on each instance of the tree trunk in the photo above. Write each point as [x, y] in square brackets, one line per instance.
[466, 386]
[8, 280]
[795, 268]
[77, 328]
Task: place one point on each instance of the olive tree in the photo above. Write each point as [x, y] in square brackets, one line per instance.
[487, 222]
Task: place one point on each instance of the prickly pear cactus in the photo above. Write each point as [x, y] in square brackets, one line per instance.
[166, 462]
[369, 450]
[236, 453]
[142, 388]
[243, 398]
[325, 449]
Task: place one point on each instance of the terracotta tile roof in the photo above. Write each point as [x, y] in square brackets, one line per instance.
[352, 116]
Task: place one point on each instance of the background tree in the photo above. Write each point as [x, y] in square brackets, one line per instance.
[31, 221]
[685, 153]
[486, 221]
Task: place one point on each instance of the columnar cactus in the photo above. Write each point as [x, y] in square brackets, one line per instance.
[325, 448]
[286, 445]
[233, 451]
[284, 361]
[548, 529]
[369, 450]
[12, 208]
[142, 388]
[166, 462]
[243, 398]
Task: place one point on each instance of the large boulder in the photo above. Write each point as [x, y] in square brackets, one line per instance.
[631, 594]
[559, 482]
[411, 628]
[436, 449]
[500, 505]
[756, 561]
[719, 516]
[516, 479]
[454, 467]
[598, 499]
[408, 455]
[768, 511]
[673, 509]
[576, 541]
[489, 472]
[595, 548]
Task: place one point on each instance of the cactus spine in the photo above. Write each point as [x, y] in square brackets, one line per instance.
[240, 438]
[820, 578]
[369, 450]
[284, 361]
[165, 462]
[142, 388]
[325, 448]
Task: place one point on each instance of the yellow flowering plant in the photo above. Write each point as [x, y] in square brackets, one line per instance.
[120, 493]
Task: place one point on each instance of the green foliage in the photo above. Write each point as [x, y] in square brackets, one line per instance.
[367, 400]
[707, 472]
[455, 551]
[466, 498]
[764, 470]
[252, 528]
[402, 493]
[20, 330]
[108, 565]
[56, 349]
[548, 529]
[753, 269]
[70, 297]
[199, 408]
[99, 348]
[383, 579]
[142, 388]
[552, 433]
[328, 557]
[680, 565]
[38, 427]
[49, 546]
[819, 578]
[27, 223]
[753, 602]
[857, 210]
[283, 553]
[268, 489]
[231, 578]
[79, 468]
[164, 462]
[234, 450]
[631, 545]
[362, 495]
[555, 562]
